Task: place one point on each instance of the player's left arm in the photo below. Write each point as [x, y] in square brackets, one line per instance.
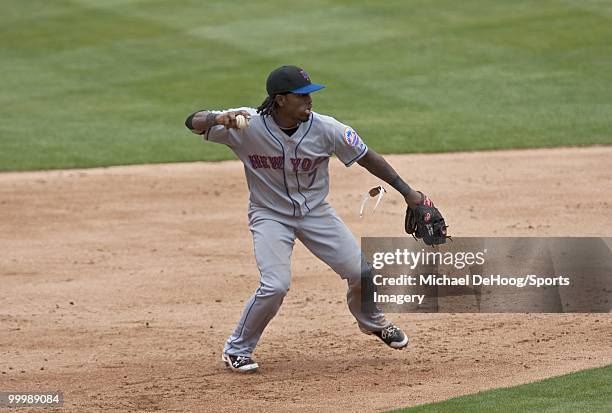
[379, 167]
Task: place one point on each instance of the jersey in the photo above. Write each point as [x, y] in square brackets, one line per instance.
[289, 174]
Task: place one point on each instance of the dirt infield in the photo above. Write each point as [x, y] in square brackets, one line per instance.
[120, 285]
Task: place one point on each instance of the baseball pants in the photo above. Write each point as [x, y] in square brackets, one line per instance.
[328, 238]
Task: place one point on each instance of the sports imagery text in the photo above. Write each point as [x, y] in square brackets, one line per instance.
[474, 280]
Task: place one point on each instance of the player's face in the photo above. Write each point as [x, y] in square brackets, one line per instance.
[298, 106]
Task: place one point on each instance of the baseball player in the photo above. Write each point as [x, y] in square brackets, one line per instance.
[285, 147]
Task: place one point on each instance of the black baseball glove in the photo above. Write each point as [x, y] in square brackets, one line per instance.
[426, 222]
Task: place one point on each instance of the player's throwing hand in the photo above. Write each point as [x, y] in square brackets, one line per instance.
[231, 120]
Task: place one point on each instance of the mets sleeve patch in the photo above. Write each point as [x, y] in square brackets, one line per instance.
[350, 137]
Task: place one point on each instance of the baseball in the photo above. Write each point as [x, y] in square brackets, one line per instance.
[241, 122]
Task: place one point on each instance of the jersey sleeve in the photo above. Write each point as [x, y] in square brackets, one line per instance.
[219, 134]
[348, 145]
[229, 137]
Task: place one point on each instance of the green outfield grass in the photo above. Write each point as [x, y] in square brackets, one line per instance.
[89, 82]
[585, 391]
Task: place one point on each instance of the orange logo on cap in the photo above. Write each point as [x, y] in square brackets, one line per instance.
[304, 74]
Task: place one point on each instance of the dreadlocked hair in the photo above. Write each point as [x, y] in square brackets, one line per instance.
[267, 107]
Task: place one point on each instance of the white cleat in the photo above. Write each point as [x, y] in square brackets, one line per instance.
[392, 336]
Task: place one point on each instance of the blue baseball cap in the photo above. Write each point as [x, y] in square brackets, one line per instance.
[290, 79]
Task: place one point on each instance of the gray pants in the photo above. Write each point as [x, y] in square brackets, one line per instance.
[328, 238]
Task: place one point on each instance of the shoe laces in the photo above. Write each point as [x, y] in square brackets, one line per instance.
[240, 359]
[390, 331]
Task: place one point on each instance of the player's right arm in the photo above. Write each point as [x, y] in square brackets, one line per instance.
[200, 122]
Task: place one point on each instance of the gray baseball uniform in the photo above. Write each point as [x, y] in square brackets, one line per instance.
[288, 181]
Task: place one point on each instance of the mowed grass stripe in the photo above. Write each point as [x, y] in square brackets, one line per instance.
[584, 391]
[111, 82]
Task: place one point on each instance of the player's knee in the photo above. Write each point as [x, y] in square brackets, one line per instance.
[358, 276]
[354, 270]
[281, 290]
[366, 269]
[276, 290]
